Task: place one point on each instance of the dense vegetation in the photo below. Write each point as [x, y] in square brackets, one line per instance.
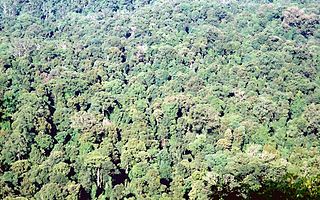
[159, 99]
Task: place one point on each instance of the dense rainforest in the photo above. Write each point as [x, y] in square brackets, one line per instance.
[159, 99]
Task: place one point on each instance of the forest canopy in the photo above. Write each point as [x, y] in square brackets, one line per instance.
[159, 99]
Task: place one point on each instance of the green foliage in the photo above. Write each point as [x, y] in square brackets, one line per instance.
[150, 99]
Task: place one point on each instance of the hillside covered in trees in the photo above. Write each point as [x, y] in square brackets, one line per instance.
[159, 99]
